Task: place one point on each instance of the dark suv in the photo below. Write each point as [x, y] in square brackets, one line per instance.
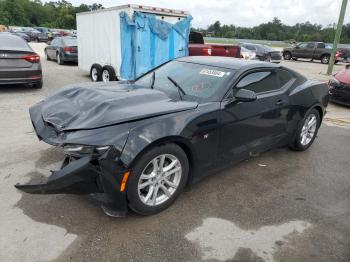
[310, 50]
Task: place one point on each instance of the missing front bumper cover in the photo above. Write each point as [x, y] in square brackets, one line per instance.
[82, 177]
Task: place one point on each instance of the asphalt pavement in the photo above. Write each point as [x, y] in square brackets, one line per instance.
[279, 206]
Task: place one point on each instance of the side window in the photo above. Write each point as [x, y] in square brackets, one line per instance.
[260, 82]
[284, 77]
[310, 45]
[321, 45]
[302, 45]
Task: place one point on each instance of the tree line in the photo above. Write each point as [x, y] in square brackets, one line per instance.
[276, 30]
[61, 14]
[53, 14]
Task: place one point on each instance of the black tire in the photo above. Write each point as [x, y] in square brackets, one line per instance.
[296, 143]
[98, 76]
[38, 85]
[336, 62]
[108, 70]
[287, 56]
[59, 59]
[135, 203]
[47, 56]
[325, 59]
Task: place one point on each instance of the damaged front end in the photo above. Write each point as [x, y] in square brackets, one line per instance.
[86, 169]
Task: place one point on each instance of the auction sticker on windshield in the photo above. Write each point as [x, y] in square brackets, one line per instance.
[211, 72]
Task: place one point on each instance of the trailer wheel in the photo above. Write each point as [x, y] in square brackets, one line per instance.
[96, 73]
[108, 74]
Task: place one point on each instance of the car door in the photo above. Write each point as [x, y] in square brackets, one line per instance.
[299, 50]
[252, 127]
[319, 50]
[51, 49]
[309, 50]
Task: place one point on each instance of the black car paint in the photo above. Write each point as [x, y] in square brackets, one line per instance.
[213, 134]
[339, 93]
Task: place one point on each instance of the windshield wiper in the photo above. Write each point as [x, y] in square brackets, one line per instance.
[178, 87]
[153, 79]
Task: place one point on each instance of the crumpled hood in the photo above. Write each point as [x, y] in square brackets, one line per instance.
[89, 106]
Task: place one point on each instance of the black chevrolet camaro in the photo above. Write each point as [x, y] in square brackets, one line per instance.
[140, 143]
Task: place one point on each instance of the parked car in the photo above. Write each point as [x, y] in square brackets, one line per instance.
[32, 33]
[247, 54]
[43, 35]
[339, 87]
[22, 35]
[264, 53]
[343, 55]
[142, 142]
[309, 50]
[19, 64]
[197, 47]
[62, 49]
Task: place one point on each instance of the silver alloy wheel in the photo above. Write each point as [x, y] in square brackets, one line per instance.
[159, 180]
[308, 130]
[105, 76]
[94, 74]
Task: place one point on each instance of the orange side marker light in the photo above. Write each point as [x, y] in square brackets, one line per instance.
[125, 179]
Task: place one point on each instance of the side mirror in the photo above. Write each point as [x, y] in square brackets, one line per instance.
[244, 95]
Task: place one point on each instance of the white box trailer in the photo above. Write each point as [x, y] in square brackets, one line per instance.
[126, 41]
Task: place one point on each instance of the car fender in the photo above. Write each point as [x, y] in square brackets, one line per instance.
[156, 131]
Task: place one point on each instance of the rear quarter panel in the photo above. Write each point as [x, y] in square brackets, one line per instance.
[303, 98]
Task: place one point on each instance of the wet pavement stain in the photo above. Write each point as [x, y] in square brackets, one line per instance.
[221, 239]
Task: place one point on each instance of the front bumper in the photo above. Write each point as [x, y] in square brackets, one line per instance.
[87, 175]
[84, 175]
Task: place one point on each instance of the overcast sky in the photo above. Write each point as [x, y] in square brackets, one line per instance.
[246, 12]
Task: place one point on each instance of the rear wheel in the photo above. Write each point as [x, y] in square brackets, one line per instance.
[157, 179]
[96, 73]
[59, 59]
[287, 56]
[325, 59]
[307, 131]
[108, 74]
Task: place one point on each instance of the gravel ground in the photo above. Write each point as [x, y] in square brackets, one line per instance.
[280, 206]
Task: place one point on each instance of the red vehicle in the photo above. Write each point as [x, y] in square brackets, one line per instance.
[197, 47]
[339, 87]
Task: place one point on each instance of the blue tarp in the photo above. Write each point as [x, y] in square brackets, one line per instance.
[148, 42]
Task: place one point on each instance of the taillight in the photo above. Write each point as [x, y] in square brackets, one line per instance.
[68, 49]
[31, 58]
[338, 54]
[206, 51]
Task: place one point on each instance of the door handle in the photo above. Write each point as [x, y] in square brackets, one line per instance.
[280, 102]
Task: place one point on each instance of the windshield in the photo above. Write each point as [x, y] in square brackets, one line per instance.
[199, 82]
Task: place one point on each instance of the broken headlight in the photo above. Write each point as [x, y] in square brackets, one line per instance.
[83, 150]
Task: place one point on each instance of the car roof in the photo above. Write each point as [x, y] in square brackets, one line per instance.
[226, 62]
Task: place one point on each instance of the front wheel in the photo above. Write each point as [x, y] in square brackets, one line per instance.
[157, 179]
[307, 131]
